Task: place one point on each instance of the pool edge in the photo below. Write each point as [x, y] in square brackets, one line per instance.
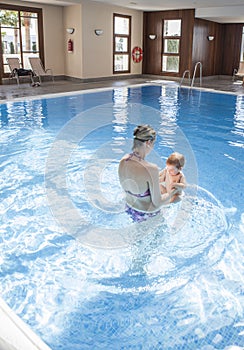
[15, 334]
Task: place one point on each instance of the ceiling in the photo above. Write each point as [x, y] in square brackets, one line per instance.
[221, 11]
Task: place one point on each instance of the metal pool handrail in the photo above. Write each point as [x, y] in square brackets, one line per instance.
[183, 76]
[194, 74]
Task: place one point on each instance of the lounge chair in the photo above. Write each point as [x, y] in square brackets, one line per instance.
[240, 72]
[16, 71]
[38, 69]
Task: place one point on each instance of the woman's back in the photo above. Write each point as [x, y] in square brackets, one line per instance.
[136, 180]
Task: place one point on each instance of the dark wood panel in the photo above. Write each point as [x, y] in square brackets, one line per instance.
[231, 47]
[222, 55]
[218, 57]
[218, 48]
[153, 24]
[205, 51]
[152, 48]
[186, 40]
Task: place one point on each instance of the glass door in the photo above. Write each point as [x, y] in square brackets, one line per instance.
[20, 36]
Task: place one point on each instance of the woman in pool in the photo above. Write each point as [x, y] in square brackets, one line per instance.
[140, 179]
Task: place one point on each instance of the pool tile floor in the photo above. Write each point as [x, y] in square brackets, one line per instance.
[13, 91]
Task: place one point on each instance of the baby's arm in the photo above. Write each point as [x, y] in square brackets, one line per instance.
[179, 185]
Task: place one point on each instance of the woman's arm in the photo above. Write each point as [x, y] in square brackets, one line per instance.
[162, 175]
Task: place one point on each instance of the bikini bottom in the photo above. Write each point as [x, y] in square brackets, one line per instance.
[139, 216]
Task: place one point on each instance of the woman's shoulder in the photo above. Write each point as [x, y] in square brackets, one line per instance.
[125, 157]
[143, 162]
[153, 166]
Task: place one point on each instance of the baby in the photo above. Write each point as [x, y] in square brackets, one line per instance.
[171, 177]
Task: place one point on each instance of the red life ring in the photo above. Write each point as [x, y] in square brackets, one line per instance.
[137, 54]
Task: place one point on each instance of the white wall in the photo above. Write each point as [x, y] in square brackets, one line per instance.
[53, 38]
[73, 61]
[97, 51]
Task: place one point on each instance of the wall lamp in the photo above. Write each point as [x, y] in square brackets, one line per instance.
[98, 31]
[152, 36]
[210, 37]
[70, 30]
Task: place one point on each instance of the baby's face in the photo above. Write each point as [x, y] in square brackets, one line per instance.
[173, 170]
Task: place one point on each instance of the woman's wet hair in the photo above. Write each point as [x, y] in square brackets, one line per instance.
[144, 133]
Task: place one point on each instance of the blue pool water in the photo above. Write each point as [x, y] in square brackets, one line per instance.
[76, 268]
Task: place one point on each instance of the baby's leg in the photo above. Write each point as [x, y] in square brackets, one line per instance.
[176, 198]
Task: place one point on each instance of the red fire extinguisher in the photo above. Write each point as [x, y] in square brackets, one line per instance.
[70, 46]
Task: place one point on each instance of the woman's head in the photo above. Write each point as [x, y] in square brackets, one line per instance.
[143, 133]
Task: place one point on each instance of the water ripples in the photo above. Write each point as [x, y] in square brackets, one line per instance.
[175, 283]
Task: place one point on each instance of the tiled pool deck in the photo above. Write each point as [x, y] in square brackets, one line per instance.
[13, 91]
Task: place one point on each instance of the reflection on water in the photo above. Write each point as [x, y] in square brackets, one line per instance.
[28, 114]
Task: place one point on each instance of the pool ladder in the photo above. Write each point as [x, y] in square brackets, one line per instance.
[183, 77]
[200, 73]
[194, 75]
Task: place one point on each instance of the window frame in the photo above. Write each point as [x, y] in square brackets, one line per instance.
[171, 54]
[19, 9]
[124, 53]
[242, 45]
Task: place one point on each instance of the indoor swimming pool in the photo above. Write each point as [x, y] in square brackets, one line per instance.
[73, 264]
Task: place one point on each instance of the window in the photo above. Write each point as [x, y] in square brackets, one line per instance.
[121, 45]
[171, 46]
[242, 46]
[21, 35]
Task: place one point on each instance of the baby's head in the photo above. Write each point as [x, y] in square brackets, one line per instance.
[176, 159]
